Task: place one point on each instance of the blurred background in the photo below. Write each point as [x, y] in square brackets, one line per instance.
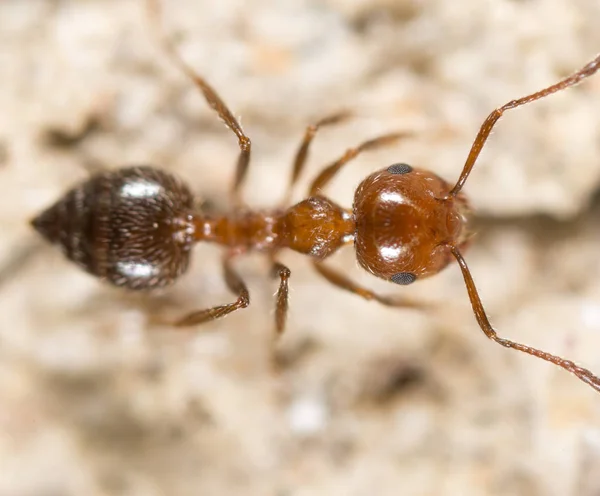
[97, 400]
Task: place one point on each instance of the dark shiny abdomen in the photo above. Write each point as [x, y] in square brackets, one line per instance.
[119, 226]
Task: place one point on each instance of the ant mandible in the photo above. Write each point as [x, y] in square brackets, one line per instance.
[135, 227]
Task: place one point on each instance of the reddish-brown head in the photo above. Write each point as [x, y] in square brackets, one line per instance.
[404, 224]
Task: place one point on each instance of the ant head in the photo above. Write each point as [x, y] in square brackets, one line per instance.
[404, 223]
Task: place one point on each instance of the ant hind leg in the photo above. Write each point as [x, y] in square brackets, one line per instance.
[236, 285]
[211, 97]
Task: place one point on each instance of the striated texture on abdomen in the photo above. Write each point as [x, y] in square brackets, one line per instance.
[119, 226]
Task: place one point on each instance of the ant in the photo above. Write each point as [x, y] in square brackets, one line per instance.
[135, 227]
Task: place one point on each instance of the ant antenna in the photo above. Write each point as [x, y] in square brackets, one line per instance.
[480, 314]
[584, 374]
[488, 124]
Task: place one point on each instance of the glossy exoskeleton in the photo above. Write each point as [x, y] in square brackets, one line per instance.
[135, 227]
[123, 226]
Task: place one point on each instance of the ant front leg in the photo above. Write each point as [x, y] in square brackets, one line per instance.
[482, 319]
[281, 310]
[236, 285]
[302, 153]
[341, 281]
[213, 100]
[330, 171]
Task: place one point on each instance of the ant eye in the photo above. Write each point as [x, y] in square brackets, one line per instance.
[403, 278]
[399, 169]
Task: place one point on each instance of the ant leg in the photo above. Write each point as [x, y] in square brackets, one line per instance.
[330, 171]
[341, 281]
[483, 321]
[488, 124]
[278, 269]
[236, 285]
[302, 153]
[211, 97]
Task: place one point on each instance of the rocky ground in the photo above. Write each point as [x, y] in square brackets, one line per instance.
[97, 400]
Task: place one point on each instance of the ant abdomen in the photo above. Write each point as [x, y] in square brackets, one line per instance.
[125, 226]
